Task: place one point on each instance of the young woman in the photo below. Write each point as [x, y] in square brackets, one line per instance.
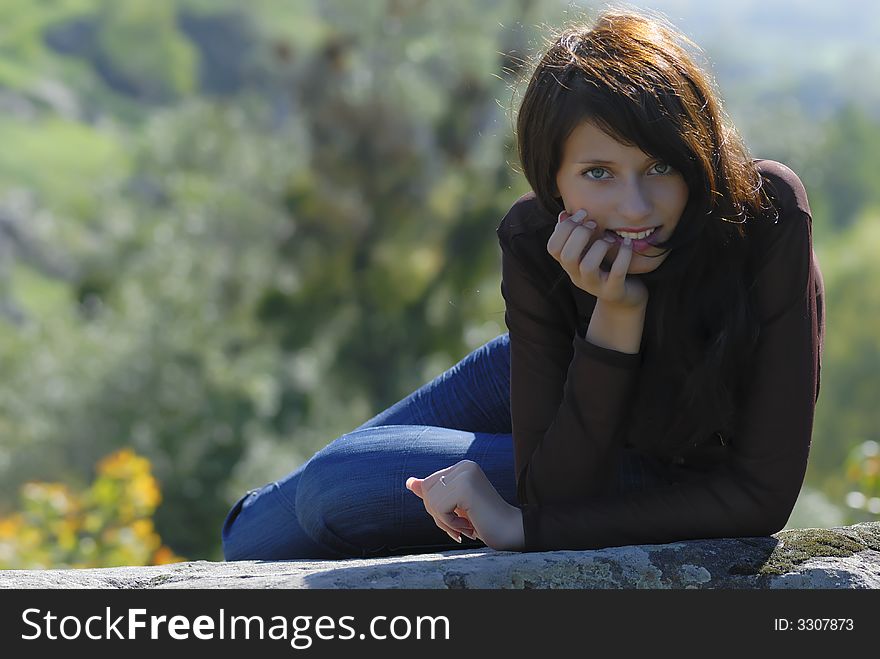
[661, 369]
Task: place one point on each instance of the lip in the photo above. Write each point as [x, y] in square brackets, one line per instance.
[637, 245]
[629, 230]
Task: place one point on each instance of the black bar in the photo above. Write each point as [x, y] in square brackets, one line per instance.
[520, 622]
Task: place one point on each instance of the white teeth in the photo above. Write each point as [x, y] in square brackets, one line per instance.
[636, 236]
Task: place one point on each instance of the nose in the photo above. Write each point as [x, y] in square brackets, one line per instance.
[635, 203]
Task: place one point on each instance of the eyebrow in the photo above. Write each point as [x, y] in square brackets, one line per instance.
[597, 161]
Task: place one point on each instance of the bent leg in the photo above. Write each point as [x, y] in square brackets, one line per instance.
[473, 395]
[263, 525]
[352, 498]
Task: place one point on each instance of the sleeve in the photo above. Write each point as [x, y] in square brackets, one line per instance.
[567, 396]
[754, 492]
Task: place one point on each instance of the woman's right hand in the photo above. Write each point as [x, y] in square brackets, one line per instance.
[571, 238]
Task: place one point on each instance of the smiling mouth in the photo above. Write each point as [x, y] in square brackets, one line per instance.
[636, 236]
[640, 244]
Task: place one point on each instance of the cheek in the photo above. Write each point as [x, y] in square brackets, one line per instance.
[581, 196]
[682, 195]
[673, 201]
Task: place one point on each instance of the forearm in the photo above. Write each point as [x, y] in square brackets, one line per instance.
[571, 454]
[718, 504]
[575, 457]
[617, 328]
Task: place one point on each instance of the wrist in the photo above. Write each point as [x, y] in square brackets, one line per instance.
[516, 534]
[617, 328]
[621, 311]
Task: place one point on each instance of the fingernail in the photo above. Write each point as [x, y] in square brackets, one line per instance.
[559, 217]
[579, 216]
[609, 239]
[409, 482]
[627, 241]
[590, 224]
[458, 539]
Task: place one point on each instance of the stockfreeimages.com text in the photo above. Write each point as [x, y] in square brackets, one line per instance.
[136, 624]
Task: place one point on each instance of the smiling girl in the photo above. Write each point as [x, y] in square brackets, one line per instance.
[661, 368]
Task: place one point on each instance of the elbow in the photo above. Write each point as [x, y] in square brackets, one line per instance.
[753, 524]
[777, 520]
[768, 526]
[763, 506]
[779, 509]
[767, 518]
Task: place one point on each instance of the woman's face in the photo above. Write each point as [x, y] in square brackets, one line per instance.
[621, 188]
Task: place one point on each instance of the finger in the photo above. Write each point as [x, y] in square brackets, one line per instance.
[449, 475]
[446, 522]
[467, 534]
[460, 524]
[560, 237]
[462, 514]
[453, 533]
[578, 216]
[592, 234]
[414, 485]
[618, 270]
[574, 248]
[443, 507]
[446, 506]
[588, 268]
[465, 527]
[442, 504]
[566, 223]
[462, 521]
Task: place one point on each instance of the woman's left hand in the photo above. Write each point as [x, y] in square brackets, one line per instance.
[469, 504]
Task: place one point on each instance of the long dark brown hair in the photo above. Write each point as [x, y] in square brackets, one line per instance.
[632, 75]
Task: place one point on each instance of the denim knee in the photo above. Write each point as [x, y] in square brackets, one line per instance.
[342, 501]
[262, 525]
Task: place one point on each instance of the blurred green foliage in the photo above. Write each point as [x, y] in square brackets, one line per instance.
[863, 476]
[165, 69]
[233, 234]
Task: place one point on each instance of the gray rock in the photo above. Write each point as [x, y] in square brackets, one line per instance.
[837, 557]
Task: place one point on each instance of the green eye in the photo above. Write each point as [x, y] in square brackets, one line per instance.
[594, 169]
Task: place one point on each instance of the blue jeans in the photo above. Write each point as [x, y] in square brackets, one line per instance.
[350, 501]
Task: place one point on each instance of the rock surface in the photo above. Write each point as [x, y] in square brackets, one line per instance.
[837, 557]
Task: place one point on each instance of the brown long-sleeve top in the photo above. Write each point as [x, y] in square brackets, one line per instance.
[573, 403]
